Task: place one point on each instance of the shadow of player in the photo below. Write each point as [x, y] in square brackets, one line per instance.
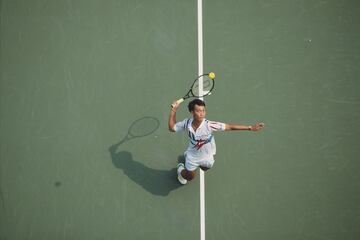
[155, 181]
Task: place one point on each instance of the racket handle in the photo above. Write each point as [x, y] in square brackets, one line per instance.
[178, 101]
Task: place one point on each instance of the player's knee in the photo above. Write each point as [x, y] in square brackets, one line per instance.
[188, 175]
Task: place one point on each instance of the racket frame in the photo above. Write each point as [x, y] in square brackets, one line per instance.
[190, 93]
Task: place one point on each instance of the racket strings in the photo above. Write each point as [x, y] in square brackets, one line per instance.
[207, 84]
[206, 88]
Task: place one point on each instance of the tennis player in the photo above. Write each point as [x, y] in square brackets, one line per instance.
[201, 148]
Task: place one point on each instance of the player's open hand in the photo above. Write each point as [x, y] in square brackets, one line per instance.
[257, 126]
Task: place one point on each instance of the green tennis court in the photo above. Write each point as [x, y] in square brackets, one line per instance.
[76, 76]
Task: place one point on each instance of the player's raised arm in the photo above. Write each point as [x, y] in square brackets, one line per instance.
[256, 127]
[172, 116]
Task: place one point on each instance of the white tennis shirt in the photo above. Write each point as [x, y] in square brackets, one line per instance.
[202, 143]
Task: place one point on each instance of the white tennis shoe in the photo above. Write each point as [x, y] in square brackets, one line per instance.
[181, 167]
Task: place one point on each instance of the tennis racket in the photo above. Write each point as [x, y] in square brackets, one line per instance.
[208, 81]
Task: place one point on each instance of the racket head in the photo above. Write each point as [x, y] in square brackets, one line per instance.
[208, 85]
[143, 127]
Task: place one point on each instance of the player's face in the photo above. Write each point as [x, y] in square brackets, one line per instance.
[199, 113]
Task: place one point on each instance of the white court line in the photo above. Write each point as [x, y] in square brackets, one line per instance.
[200, 72]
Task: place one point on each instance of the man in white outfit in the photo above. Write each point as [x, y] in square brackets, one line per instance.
[201, 149]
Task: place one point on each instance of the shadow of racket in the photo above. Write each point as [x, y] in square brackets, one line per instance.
[141, 127]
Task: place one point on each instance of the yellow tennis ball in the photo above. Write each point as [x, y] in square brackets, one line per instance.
[212, 75]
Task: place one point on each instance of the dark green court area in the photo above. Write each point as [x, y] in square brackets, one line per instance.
[76, 75]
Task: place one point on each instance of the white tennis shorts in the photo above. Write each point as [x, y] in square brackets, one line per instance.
[192, 165]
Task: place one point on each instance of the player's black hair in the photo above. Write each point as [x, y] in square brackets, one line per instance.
[194, 102]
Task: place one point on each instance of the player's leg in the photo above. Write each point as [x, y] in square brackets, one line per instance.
[184, 175]
[187, 172]
[188, 175]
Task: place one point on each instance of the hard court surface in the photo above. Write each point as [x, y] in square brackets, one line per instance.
[76, 75]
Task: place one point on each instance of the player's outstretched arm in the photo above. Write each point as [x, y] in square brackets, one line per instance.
[172, 116]
[256, 127]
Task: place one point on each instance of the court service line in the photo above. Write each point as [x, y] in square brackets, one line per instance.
[200, 72]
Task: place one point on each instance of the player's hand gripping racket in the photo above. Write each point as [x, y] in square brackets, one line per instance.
[208, 84]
